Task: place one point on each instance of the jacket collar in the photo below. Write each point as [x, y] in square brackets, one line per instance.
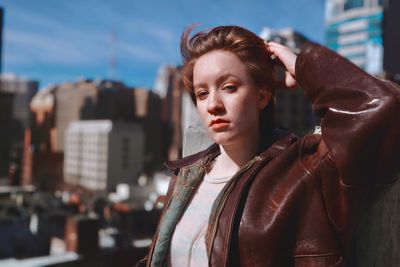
[189, 160]
[276, 134]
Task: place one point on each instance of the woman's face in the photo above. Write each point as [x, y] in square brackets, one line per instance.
[227, 100]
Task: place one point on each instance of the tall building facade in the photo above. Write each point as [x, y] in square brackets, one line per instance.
[91, 100]
[391, 40]
[6, 100]
[169, 86]
[1, 38]
[73, 101]
[15, 96]
[148, 110]
[354, 30]
[100, 154]
[42, 164]
[23, 91]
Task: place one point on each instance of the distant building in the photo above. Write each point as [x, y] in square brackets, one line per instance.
[44, 128]
[91, 100]
[285, 36]
[42, 105]
[42, 164]
[148, 113]
[73, 101]
[169, 87]
[82, 234]
[57, 106]
[391, 40]
[142, 104]
[1, 38]
[15, 95]
[6, 135]
[293, 110]
[101, 154]
[354, 30]
[23, 91]
[114, 102]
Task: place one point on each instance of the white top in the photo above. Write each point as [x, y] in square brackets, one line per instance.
[188, 247]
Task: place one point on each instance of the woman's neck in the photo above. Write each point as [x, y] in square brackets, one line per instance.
[234, 156]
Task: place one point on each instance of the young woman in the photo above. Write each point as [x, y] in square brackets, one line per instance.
[262, 197]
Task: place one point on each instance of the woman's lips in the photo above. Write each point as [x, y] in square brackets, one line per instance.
[219, 125]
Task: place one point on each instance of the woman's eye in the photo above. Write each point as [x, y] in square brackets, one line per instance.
[201, 94]
[230, 88]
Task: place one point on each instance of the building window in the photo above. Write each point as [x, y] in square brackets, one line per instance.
[125, 152]
[350, 4]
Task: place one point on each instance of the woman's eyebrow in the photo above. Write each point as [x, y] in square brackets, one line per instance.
[199, 85]
[225, 77]
[219, 80]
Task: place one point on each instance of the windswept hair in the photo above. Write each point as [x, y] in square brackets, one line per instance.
[243, 43]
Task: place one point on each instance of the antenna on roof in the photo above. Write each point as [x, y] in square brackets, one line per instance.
[113, 58]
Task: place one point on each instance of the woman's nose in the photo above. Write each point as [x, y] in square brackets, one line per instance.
[215, 103]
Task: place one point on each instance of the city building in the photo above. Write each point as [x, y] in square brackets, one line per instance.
[391, 40]
[100, 154]
[42, 164]
[114, 102]
[73, 101]
[42, 105]
[285, 36]
[23, 91]
[169, 86]
[354, 30]
[1, 38]
[91, 100]
[15, 94]
[148, 110]
[6, 100]
[57, 106]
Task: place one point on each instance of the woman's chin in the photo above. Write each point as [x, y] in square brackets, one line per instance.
[222, 138]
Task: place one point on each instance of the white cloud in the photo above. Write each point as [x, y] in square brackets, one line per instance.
[165, 36]
[36, 47]
[140, 53]
[42, 40]
[35, 39]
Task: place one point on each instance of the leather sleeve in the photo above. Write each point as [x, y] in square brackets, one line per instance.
[360, 115]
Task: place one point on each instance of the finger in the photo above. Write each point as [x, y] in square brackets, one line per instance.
[290, 81]
[268, 48]
[276, 46]
[272, 43]
[276, 49]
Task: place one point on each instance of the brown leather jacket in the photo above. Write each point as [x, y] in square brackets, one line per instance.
[297, 203]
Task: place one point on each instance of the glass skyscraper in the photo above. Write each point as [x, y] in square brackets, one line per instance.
[354, 30]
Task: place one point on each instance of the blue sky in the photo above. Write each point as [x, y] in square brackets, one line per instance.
[55, 41]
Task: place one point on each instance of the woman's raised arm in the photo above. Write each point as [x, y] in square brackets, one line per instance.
[360, 123]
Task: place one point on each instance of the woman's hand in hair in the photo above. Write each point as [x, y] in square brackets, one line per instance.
[284, 56]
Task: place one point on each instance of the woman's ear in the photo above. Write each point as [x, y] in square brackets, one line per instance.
[264, 98]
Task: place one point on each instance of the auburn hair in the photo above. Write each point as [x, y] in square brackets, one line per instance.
[246, 45]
